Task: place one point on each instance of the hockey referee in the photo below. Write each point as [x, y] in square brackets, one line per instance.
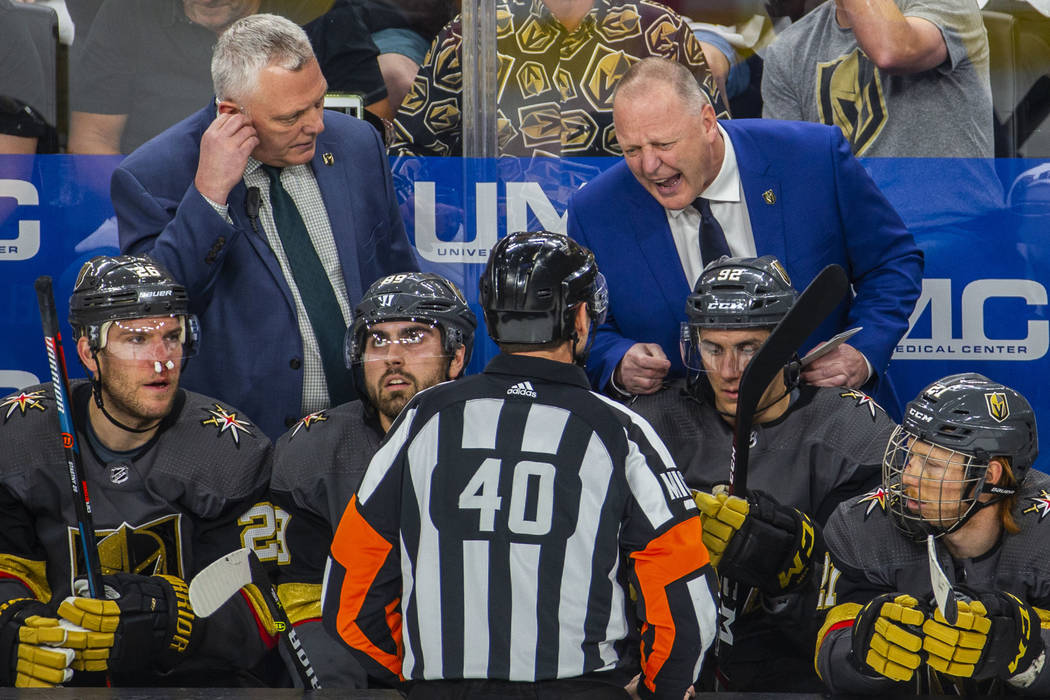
[490, 546]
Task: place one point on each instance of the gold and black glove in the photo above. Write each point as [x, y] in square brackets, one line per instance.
[149, 617]
[887, 636]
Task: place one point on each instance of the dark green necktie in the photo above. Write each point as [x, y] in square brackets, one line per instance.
[315, 289]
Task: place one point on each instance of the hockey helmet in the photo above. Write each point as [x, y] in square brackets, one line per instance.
[413, 296]
[936, 462]
[116, 288]
[735, 294]
[532, 284]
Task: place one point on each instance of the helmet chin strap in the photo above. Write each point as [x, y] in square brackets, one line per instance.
[96, 391]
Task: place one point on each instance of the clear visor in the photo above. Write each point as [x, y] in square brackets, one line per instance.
[703, 356]
[161, 339]
[385, 342]
[930, 489]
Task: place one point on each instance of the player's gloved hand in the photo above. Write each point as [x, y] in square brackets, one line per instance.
[42, 651]
[150, 618]
[767, 545]
[721, 515]
[995, 636]
[887, 636]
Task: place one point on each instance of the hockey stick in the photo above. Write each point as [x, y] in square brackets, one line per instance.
[943, 592]
[56, 360]
[810, 309]
[223, 578]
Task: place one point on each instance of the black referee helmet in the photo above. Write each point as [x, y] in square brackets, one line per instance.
[532, 284]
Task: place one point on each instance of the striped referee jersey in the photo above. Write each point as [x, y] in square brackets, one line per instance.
[496, 530]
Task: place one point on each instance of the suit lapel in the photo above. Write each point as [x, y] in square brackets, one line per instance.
[340, 195]
[653, 235]
[257, 239]
[763, 193]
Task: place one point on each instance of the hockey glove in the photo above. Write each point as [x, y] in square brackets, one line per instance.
[43, 651]
[995, 636]
[769, 549]
[887, 636]
[149, 617]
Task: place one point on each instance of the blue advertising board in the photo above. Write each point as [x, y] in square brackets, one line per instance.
[983, 305]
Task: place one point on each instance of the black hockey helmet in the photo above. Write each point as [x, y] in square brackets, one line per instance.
[973, 420]
[741, 293]
[735, 294]
[115, 288]
[413, 296]
[532, 284]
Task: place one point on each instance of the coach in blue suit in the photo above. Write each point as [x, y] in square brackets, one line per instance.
[183, 198]
[787, 189]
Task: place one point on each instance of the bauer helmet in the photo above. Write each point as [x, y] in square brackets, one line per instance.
[936, 461]
[116, 288]
[532, 284]
[413, 296]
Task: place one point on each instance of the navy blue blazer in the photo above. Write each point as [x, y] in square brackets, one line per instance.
[824, 209]
[251, 350]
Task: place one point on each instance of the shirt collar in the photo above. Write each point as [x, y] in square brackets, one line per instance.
[538, 368]
[726, 185]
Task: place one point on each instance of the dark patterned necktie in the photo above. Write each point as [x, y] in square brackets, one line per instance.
[712, 238]
[315, 289]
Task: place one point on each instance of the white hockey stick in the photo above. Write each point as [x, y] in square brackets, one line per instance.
[223, 578]
[942, 587]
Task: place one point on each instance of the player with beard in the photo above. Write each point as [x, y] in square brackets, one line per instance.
[409, 332]
[173, 477]
[490, 547]
[958, 477]
[811, 448]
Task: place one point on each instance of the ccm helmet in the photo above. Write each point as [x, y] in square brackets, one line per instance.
[735, 294]
[413, 296]
[532, 284]
[972, 420]
[126, 287]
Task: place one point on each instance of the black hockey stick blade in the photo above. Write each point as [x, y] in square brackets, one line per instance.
[223, 578]
[810, 309]
[56, 360]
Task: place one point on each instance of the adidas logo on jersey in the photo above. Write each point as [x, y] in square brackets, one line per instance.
[522, 389]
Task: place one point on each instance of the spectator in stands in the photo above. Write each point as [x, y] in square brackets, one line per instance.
[276, 214]
[901, 78]
[403, 30]
[348, 56]
[145, 66]
[22, 84]
[559, 63]
[691, 189]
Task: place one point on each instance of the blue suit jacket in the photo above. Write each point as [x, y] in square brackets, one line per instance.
[251, 350]
[826, 210]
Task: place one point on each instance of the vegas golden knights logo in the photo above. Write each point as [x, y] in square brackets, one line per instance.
[604, 72]
[448, 74]
[621, 23]
[540, 124]
[443, 115]
[417, 96]
[578, 130]
[849, 96]
[660, 37]
[148, 549]
[534, 37]
[532, 79]
[997, 406]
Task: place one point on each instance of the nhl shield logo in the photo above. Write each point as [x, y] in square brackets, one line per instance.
[997, 406]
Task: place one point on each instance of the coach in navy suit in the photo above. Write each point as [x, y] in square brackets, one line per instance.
[198, 199]
[788, 189]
